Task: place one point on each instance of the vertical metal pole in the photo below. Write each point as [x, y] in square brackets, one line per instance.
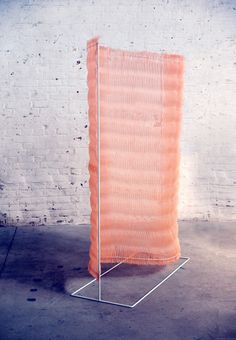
[98, 151]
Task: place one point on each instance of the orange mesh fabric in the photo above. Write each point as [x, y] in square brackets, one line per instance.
[140, 118]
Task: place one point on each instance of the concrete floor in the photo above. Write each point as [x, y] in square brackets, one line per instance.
[41, 266]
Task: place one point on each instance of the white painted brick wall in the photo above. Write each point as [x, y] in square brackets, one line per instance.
[43, 110]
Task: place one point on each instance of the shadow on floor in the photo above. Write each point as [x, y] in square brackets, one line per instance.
[48, 257]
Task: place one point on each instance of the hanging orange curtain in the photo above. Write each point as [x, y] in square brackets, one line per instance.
[140, 117]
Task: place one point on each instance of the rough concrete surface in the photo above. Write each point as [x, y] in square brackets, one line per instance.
[41, 266]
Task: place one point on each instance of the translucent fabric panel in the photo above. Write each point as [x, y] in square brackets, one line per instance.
[140, 119]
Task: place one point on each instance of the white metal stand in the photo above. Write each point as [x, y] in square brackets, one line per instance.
[99, 299]
[100, 274]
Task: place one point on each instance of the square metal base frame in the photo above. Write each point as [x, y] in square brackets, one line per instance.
[99, 299]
